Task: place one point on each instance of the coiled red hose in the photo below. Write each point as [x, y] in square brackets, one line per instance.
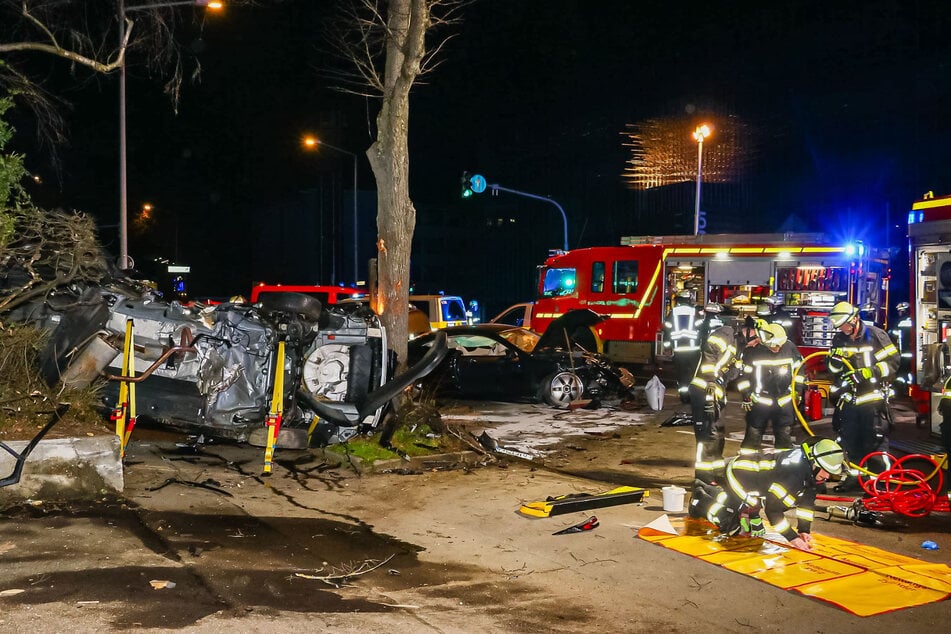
[902, 489]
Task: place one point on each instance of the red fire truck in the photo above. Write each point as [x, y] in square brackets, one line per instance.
[635, 283]
[929, 250]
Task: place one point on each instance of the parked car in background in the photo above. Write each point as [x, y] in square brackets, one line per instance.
[327, 294]
[443, 311]
[509, 363]
[516, 315]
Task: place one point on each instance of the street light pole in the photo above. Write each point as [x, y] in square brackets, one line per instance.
[123, 175]
[312, 141]
[702, 132]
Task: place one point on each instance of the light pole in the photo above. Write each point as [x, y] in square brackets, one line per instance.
[312, 142]
[123, 182]
[702, 132]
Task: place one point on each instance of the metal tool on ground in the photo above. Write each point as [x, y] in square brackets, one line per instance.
[493, 445]
[573, 502]
[589, 524]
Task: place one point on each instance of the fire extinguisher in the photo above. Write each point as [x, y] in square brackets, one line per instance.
[813, 403]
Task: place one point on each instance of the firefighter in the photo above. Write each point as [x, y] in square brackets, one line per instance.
[902, 337]
[771, 482]
[718, 366]
[709, 321]
[778, 313]
[863, 361]
[869, 314]
[682, 337]
[768, 387]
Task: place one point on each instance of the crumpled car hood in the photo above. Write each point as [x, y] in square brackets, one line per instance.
[573, 326]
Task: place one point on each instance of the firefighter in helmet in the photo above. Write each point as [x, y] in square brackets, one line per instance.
[769, 383]
[718, 365]
[682, 337]
[863, 361]
[902, 337]
[774, 483]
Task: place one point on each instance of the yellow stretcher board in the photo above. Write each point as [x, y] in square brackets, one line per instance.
[857, 578]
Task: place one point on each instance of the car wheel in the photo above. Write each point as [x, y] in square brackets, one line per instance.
[561, 388]
[295, 303]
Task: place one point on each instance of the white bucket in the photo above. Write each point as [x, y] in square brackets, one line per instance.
[673, 499]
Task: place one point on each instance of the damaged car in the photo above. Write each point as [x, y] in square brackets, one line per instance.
[501, 362]
[213, 370]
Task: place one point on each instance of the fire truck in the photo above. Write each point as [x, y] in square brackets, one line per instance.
[929, 252]
[634, 284]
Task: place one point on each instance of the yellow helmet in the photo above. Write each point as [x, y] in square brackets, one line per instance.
[825, 454]
[842, 312]
[771, 334]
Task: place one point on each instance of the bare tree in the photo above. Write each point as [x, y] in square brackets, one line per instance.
[389, 48]
[87, 35]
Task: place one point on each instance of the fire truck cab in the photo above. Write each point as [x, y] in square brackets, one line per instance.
[634, 284]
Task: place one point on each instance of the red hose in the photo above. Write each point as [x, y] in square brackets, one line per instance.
[904, 490]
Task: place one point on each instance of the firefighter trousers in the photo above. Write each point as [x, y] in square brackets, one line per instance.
[862, 430]
[759, 417]
[685, 366]
[710, 434]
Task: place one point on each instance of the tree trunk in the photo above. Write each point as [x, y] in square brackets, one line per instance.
[407, 21]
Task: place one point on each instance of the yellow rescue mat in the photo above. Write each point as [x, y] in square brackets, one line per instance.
[857, 578]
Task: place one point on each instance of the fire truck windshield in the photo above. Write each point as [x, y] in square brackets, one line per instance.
[559, 282]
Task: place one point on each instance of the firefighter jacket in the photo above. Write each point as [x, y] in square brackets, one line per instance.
[717, 361]
[862, 366]
[681, 329]
[778, 481]
[901, 336]
[768, 377]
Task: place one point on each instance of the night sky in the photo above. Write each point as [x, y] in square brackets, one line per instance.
[848, 102]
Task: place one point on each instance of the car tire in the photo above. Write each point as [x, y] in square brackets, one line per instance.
[560, 389]
[295, 303]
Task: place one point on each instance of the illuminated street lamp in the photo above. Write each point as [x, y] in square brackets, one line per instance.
[123, 183]
[702, 132]
[311, 143]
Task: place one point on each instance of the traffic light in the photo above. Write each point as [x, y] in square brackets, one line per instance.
[474, 184]
[466, 186]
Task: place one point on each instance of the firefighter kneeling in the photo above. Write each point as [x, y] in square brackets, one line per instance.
[774, 483]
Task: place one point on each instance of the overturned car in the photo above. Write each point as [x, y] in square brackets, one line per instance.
[220, 370]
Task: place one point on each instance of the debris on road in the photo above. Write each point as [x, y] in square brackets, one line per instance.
[588, 525]
[583, 501]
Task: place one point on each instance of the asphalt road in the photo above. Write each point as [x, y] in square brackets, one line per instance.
[434, 548]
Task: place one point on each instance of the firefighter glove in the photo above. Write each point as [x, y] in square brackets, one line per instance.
[859, 376]
[747, 405]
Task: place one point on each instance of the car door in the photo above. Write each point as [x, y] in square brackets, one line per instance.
[486, 367]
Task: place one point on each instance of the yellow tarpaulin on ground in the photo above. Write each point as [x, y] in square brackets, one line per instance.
[858, 578]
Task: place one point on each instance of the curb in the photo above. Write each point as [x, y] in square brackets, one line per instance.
[64, 469]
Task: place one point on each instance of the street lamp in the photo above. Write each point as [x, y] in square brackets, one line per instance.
[311, 142]
[123, 183]
[702, 132]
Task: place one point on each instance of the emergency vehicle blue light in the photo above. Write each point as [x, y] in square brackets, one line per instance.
[850, 249]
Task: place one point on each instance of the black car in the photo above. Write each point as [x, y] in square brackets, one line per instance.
[509, 363]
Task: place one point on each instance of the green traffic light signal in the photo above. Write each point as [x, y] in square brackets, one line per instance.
[466, 186]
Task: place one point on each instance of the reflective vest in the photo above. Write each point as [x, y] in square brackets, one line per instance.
[768, 376]
[682, 330]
